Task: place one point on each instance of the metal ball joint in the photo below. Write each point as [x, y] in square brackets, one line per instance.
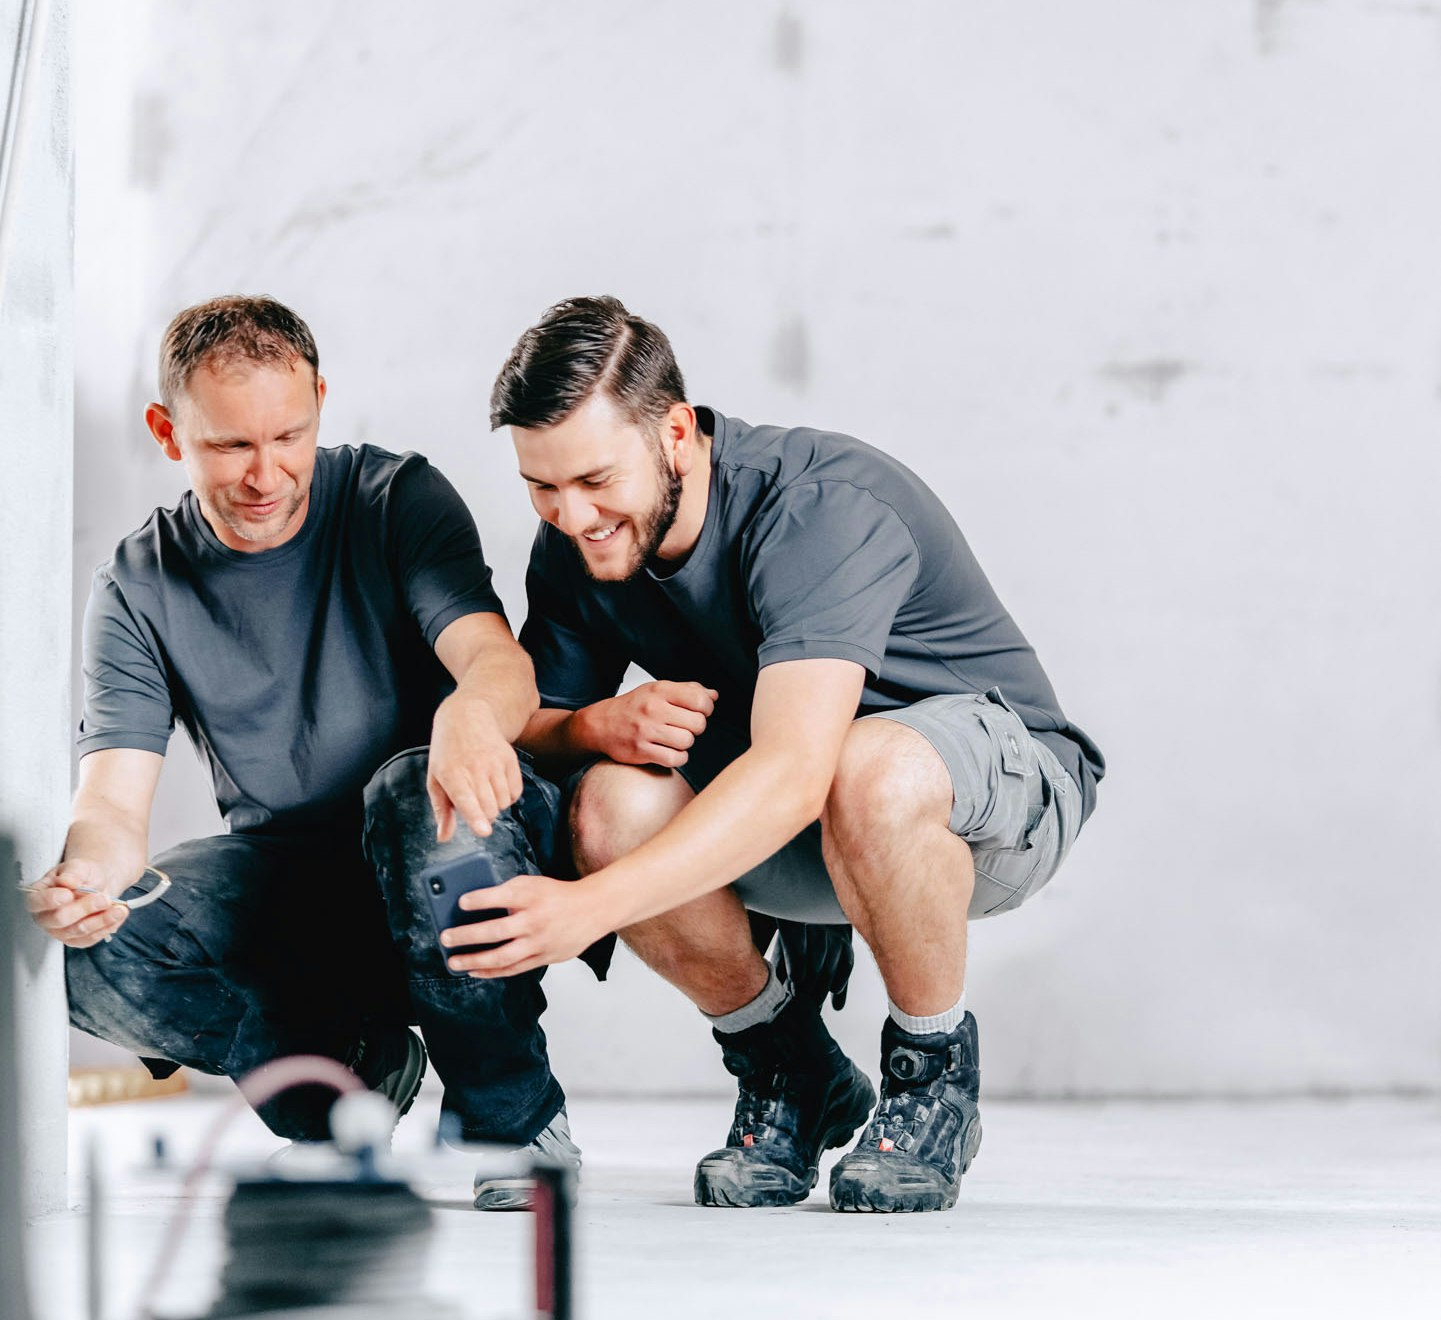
[361, 1120]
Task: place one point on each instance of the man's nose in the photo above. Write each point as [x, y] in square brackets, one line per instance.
[264, 471]
[574, 512]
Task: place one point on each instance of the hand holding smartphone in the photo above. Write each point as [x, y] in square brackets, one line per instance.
[444, 884]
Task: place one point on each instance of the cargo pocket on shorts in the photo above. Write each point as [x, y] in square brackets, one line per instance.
[1021, 794]
[1021, 817]
[1006, 877]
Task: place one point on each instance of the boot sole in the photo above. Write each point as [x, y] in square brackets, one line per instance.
[727, 1179]
[502, 1194]
[866, 1185]
[738, 1184]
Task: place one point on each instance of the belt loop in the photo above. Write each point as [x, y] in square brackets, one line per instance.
[994, 695]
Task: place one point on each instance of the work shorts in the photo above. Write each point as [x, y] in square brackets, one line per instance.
[1014, 805]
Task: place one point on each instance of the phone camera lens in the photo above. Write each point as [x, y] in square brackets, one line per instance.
[435, 886]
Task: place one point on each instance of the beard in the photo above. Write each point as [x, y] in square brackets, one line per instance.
[655, 526]
[248, 530]
[651, 527]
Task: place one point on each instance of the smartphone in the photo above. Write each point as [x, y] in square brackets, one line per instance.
[445, 883]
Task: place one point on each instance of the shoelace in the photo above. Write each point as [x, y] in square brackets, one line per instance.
[897, 1117]
[758, 1109]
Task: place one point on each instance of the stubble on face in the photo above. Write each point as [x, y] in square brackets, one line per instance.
[227, 508]
[651, 527]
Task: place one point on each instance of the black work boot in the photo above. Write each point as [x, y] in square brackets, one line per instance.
[392, 1066]
[799, 1096]
[926, 1130]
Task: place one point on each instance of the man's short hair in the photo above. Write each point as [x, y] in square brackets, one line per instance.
[231, 329]
[579, 347]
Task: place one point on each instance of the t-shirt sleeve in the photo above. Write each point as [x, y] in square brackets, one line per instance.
[127, 700]
[828, 566]
[436, 550]
[573, 665]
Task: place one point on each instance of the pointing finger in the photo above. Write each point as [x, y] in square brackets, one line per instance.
[441, 806]
[478, 808]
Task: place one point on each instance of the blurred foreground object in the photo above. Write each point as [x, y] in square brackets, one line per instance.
[336, 1232]
[12, 1250]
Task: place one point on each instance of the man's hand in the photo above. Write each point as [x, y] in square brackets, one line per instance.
[547, 921]
[654, 724]
[473, 768]
[63, 905]
[815, 961]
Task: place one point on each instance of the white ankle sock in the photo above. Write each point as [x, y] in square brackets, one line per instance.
[763, 1008]
[933, 1025]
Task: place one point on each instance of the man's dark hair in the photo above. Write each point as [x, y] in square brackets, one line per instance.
[234, 328]
[578, 347]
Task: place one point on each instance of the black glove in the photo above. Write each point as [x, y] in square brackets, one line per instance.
[816, 961]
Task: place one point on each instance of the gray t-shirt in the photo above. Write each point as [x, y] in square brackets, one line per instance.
[296, 671]
[815, 545]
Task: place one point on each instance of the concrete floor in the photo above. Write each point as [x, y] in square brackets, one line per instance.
[1158, 1210]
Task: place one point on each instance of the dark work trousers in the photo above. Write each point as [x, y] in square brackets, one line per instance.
[266, 946]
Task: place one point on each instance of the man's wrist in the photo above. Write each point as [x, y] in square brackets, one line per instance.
[464, 705]
[468, 696]
[101, 855]
[614, 894]
[583, 731]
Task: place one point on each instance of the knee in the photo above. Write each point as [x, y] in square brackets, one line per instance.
[888, 780]
[398, 829]
[617, 808]
[399, 782]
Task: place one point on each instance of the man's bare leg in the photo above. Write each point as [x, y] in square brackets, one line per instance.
[703, 947]
[798, 1093]
[901, 876]
[906, 882]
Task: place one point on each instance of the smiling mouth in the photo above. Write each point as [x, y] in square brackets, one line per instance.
[604, 534]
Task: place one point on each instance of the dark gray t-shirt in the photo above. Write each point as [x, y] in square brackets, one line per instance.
[296, 671]
[815, 545]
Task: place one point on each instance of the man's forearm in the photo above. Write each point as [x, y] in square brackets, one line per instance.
[558, 734]
[105, 848]
[505, 680]
[753, 808]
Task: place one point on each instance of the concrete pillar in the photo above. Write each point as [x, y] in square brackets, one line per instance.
[36, 434]
[12, 1254]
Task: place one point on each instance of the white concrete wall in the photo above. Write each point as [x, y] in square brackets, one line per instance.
[35, 499]
[1146, 291]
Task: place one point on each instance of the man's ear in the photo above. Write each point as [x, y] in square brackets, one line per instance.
[680, 427]
[319, 392]
[157, 418]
